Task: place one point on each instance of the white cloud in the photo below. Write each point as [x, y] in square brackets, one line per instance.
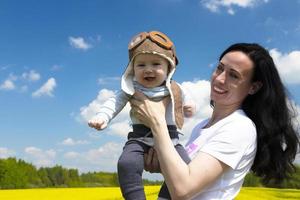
[24, 88]
[98, 38]
[288, 65]
[297, 125]
[200, 93]
[95, 39]
[5, 152]
[296, 120]
[79, 43]
[56, 68]
[71, 142]
[216, 5]
[40, 157]
[231, 11]
[31, 76]
[104, 158]
[7, 85]
[119, 125]
[5, 67]
[108, 153]
[71, 155]
[108, 80]
[11, 82]
[46, 89]
[87, 112]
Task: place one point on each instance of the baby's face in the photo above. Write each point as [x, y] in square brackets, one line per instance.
[150, 70]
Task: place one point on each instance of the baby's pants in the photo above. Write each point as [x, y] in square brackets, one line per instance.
[131, 166]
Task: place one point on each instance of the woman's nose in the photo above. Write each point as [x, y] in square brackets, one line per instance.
[221, 77]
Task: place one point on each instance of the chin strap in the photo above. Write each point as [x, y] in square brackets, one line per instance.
[178, 108]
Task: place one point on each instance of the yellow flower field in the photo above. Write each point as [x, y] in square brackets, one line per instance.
[115, 194]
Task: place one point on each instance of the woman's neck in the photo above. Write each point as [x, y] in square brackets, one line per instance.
[219, 113]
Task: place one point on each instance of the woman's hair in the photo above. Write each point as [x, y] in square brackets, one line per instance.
[272, 113]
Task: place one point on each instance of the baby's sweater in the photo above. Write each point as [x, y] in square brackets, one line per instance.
[114, 105]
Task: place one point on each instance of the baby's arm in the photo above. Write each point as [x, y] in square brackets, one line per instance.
[108, 111]
[189, 106]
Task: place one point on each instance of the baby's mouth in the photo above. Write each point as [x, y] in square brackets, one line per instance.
[149, 78]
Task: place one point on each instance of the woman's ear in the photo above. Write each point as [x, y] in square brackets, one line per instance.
[255, 87]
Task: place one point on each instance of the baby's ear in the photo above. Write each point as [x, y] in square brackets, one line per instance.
[169, 68]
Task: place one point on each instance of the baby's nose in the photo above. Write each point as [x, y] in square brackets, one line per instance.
[148, 69]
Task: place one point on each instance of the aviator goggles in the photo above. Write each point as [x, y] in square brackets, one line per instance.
[155, 36]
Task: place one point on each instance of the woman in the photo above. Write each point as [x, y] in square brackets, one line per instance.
[250, 128]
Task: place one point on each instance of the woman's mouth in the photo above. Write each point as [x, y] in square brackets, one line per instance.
[219, 90]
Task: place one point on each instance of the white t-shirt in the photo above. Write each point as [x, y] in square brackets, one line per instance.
[231, 140]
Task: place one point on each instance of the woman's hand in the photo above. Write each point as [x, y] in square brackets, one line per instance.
[151, 163]
[150, 113]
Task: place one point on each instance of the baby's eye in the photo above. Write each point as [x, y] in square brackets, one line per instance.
[156, 63]
[140, 65]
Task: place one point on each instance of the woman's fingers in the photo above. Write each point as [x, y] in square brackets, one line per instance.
[135, 103]
[148, 161]
[151, 161]
[155, 162]
[139, 96]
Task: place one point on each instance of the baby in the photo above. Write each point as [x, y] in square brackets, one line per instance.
[152, 62]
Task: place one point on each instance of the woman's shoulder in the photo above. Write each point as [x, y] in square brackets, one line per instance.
[239, 119]
[240, 125]
[237, 128]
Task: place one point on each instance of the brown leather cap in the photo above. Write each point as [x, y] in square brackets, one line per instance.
[147, 46]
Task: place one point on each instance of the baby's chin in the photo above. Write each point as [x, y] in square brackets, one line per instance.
[151, 85]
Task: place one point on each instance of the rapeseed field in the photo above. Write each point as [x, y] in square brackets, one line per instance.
[113, 193]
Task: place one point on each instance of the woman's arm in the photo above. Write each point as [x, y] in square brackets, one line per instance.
[184, 181]
[151, 163]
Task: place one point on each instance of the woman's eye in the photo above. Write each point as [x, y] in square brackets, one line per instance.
[233, 75]
[220, 68]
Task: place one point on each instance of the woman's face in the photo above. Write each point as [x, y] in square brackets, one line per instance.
[231, 80]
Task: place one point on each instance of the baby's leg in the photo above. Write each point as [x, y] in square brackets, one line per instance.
[164, 192]
[130, 169]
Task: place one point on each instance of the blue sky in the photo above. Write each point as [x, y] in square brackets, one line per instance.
[60, 59]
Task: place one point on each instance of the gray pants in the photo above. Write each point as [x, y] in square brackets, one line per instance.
[131, 166]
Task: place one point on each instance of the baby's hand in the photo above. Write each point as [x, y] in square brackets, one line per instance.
[189, 110]
[97, 123]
